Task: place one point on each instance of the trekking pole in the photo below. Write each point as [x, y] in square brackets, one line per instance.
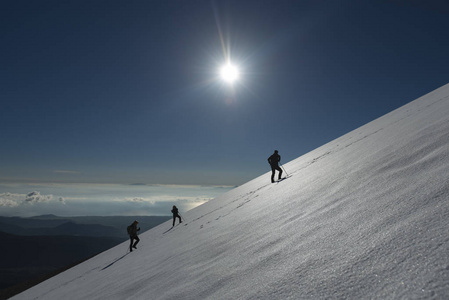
[284, 170]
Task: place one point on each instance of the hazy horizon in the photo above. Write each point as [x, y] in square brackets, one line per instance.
[75, 199]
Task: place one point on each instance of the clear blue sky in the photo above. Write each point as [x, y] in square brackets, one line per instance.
[127, 91]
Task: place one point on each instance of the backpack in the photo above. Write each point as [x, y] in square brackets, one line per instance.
[129, 229]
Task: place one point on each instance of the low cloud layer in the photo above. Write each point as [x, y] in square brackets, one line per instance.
[168, 198]
[14, 200]
[35, 197]
[139, 200]
[8, 200]
[100, 200]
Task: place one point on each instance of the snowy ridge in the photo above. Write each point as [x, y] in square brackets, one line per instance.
[364, 216]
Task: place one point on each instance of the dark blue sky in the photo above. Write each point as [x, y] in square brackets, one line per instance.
[127, 91]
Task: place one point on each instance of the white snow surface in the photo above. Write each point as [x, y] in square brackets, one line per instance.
[362, 217]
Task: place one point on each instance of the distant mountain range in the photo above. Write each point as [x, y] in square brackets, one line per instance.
[50, 225]
[34, 247]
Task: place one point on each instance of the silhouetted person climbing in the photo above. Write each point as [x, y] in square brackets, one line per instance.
[176, 215]
[132, 231]
[274, 160]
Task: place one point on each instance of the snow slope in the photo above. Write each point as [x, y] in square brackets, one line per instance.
[364, 216]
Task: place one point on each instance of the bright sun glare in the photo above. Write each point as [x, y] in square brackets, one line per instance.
[229, 73]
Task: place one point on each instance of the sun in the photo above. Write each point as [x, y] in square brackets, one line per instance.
[229, 73]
